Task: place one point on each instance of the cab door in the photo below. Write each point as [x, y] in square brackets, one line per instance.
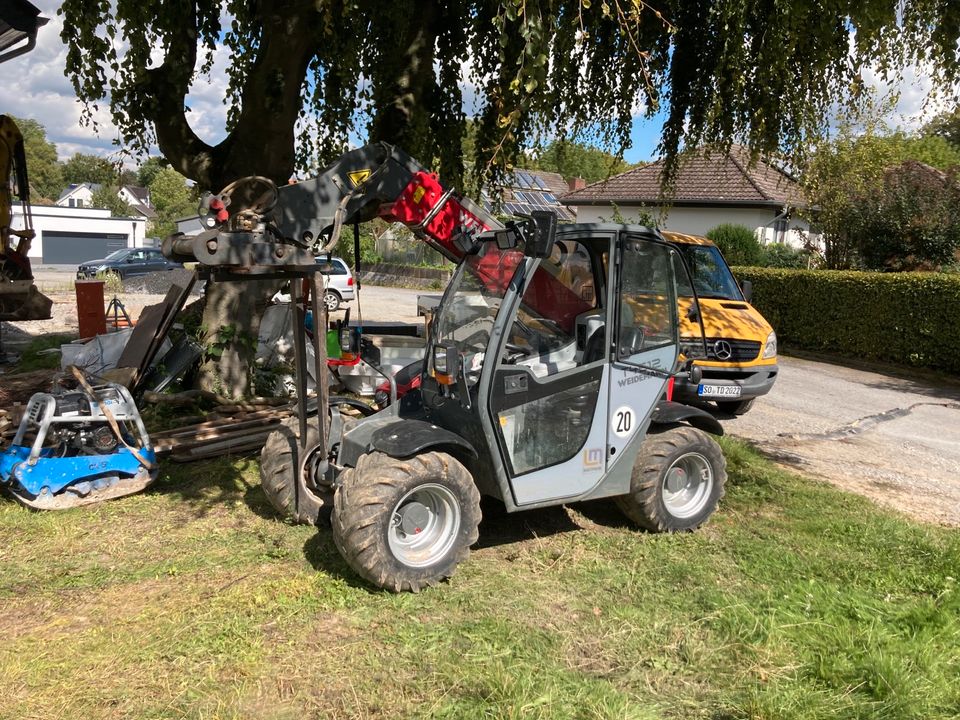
[646, 334]
[548, 400]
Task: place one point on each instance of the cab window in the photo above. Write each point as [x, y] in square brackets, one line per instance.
[562, 288]
[648, 299]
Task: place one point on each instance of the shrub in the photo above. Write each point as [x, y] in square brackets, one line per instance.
[904, 318]
[738, 243]
[781, 255]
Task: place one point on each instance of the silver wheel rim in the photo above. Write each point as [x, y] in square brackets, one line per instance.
[424, 525]
[330, 300]
[687, 485]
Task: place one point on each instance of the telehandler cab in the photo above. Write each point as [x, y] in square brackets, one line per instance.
[549, 361]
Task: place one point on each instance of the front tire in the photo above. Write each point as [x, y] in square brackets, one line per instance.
[331, 298]
[406, 524]
[678, 480]
[735, 407]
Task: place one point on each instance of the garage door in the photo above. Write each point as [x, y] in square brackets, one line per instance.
[73, 248]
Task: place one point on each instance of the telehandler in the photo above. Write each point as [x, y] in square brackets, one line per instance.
[549, 367]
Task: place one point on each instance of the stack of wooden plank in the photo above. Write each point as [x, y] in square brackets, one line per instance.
[231, 430]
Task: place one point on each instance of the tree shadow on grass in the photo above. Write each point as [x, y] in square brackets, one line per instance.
[322, 554]
[206, 485]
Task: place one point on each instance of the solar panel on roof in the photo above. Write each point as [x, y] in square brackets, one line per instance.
[550, 198]
[540, 184]
[525, 181]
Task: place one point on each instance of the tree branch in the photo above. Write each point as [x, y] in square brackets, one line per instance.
[167, 87]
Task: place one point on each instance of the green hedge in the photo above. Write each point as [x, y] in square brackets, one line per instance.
[905, 318]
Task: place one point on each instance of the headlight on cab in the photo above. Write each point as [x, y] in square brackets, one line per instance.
[770, 348]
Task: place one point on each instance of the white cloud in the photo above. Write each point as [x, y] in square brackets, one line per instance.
[914, 103]
[36, 87]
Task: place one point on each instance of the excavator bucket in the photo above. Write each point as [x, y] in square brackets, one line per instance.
[20, 300]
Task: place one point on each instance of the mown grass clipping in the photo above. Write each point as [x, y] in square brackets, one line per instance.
[903, 318]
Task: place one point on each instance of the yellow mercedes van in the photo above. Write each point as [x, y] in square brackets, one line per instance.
[741, 353]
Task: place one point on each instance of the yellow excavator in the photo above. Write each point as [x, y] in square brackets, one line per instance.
[19, 297]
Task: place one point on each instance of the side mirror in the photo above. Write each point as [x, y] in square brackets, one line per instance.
[540, 243]
[747, 287]
[467, 242]
[446, 363]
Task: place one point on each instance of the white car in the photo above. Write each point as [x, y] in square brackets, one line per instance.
[340, 285]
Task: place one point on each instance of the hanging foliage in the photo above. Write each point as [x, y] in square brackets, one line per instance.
[304, 76]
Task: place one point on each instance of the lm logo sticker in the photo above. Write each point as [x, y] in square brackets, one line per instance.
[592, 458]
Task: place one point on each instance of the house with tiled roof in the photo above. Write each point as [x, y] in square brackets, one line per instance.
[711, 188]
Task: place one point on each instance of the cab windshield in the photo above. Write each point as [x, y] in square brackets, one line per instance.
[473, 301]
[711, 276]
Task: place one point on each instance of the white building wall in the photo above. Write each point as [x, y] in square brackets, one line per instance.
[81, 196]
[698, 221]
[129, 198]
[85, 220]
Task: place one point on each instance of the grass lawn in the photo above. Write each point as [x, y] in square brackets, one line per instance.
[194, 600]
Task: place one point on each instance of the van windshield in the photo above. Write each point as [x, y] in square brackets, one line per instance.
[709, 271]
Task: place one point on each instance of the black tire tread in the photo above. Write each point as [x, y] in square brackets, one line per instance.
[366, 495]
[279, 461]
[643, 504]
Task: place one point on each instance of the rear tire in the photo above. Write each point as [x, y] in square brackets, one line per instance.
[738, 407]
[331, 298]
[677, 482]
[279, 464]
[406, 524]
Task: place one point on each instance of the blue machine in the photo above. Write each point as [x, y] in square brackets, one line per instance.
[75, 448]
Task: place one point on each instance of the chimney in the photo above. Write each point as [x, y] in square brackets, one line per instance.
[577, 183]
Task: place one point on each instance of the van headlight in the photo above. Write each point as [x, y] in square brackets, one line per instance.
[770, 348]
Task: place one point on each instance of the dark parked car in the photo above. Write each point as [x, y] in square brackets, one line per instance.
[128, 262]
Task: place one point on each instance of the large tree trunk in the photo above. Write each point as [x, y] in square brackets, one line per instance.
[231, 322]
[261, 143]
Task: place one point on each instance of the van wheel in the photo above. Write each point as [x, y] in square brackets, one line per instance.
[405, 524]
[677, 482]
[738, 407]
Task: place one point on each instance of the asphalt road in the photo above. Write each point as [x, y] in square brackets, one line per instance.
[892, 439]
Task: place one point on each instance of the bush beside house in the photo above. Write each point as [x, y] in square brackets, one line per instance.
[904, 318]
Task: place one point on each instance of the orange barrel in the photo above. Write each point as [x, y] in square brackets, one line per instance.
[90, 310]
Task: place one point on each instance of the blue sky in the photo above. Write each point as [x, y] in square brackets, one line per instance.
[35, 87]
